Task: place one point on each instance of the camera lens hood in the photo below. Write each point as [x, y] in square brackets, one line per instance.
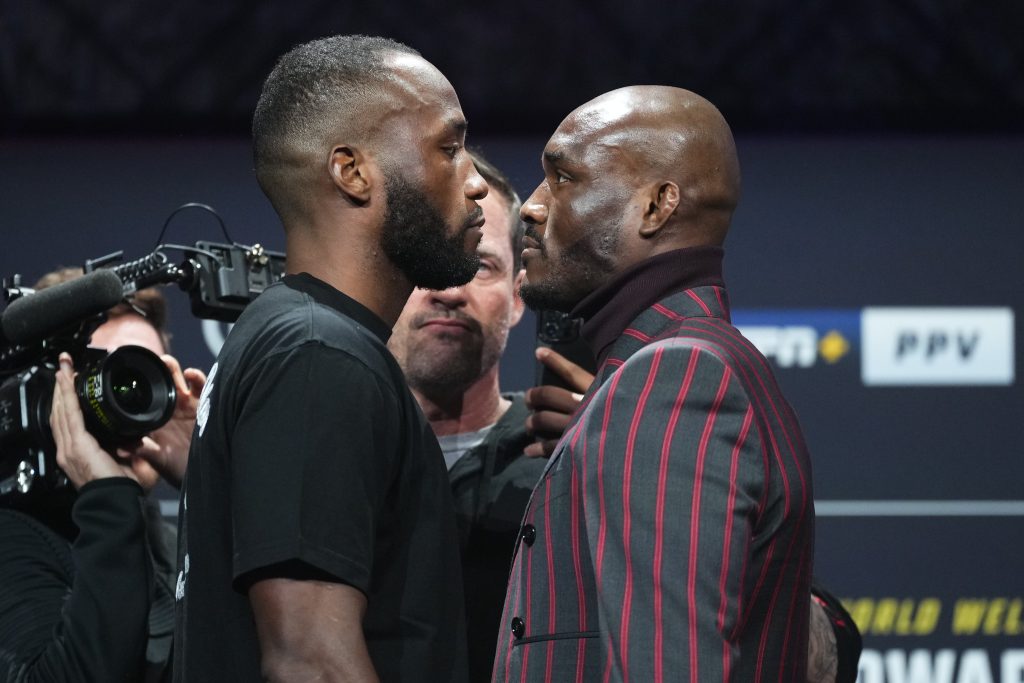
[129, 394]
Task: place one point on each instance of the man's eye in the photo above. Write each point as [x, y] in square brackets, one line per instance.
[452, 150]
[561, 178]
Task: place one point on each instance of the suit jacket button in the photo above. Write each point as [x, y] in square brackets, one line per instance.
[518, 627]
[529, 534]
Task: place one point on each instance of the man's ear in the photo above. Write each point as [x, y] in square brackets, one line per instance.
[350, 173]
[662, 201]
[517, 301]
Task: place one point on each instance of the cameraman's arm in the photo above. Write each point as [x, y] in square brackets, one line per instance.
[78, 615]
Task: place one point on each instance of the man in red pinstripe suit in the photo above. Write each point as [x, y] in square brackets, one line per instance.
[671, 536]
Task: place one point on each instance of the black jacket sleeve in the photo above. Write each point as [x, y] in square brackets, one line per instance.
[78, 613]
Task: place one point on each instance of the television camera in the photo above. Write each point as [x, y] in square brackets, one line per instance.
[124, 394]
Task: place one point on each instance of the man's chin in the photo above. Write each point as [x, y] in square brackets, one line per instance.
[454, 273]
[447, 373]
[446, 346]
[440, 340]
[544, 296]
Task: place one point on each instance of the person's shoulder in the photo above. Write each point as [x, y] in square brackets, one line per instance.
[715, 338]
[337, 323]
[277, 296]
[676, 345]
[280, 316]
[675, 361]
[284, 318]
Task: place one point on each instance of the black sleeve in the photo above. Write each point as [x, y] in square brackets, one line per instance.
[85, 622]
[312, 458]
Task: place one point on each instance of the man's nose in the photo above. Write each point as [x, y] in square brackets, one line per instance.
[453, 297]
[476, 187]
[534, 211]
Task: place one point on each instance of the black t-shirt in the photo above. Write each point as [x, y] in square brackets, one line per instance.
[311, 459]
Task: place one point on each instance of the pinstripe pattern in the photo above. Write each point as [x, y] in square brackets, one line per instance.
[671, 536]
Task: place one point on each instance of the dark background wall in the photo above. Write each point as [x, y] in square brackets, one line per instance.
[883, 162]
[191, 65]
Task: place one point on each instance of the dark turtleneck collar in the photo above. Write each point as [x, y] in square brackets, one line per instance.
[608, 310]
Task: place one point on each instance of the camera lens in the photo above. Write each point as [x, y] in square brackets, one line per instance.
[131, 390]
[127, 394]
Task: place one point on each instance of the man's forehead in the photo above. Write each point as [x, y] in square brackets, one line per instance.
[128, 328]
[606, 112]
[618, 112]
[573, 143]
[416, 77]
[617, 123]
[422, 96]
[410, 65]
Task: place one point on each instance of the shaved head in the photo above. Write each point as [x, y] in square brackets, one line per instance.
[670, 134]
[634, 173]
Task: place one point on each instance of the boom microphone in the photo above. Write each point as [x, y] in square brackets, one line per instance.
[38, 316]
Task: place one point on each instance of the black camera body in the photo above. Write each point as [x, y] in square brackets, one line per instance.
[25, 439]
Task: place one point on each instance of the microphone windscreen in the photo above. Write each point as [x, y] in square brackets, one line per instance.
[35, 317]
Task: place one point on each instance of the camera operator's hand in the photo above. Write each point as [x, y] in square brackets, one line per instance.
[78, 454]
[553, 406]
[166, 449]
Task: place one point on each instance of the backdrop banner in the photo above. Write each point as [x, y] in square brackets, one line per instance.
[881, 276]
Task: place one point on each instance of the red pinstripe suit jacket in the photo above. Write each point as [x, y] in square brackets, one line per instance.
[671, 536]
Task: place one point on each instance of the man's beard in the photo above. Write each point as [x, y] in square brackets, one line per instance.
[415, 238]
[547, 295]
[577, 272]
